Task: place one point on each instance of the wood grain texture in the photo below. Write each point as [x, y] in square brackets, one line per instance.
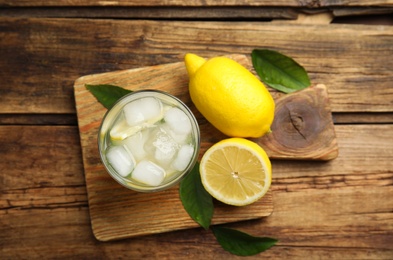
[41, 58]
[117, 212]
[302, 127]
[163, 12]
[381, 15]
[291, 3]
[334, 210]
[340, 209]
[363, 118]
[39, 157]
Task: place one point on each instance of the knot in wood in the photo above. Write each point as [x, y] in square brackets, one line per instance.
[297, 121]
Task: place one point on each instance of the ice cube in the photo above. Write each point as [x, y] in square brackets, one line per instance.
[178, 121]
[161, 147]
[122, 161]
[183, 157]
[143, 110]
[179, 138]
[148, 173]
[136, 142]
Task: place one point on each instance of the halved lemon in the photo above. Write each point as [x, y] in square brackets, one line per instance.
[236, 171]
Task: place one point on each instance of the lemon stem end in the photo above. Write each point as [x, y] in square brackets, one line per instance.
[193, 62]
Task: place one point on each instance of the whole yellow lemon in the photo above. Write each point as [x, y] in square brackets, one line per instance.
[229, 96]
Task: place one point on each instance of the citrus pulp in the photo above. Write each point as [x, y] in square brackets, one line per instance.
[236, 171]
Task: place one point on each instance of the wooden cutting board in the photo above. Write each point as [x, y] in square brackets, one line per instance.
[303, 129]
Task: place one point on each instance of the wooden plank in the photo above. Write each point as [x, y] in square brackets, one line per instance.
[154, 12]
[117, 212]
[353, 222]
[363, 118]
[43, 57]
[359, 15]
[291, 3]
[359, 11]
[38, 119]
[39, 157]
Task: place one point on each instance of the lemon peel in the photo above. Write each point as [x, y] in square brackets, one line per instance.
[229, 96]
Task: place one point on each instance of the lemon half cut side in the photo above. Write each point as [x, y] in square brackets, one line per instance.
[236, 171]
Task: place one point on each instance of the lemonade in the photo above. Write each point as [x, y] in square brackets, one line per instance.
[149, 140]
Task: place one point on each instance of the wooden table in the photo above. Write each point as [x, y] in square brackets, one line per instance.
[340, 209]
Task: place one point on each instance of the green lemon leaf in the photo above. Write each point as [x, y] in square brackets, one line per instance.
[240, 243]
[279, 71]
[106, 94]
[196, 200]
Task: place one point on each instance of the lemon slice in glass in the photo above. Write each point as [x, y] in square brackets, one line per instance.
[236, 171]
[122, 130]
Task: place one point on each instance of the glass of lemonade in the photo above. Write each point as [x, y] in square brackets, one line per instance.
[149, 140]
